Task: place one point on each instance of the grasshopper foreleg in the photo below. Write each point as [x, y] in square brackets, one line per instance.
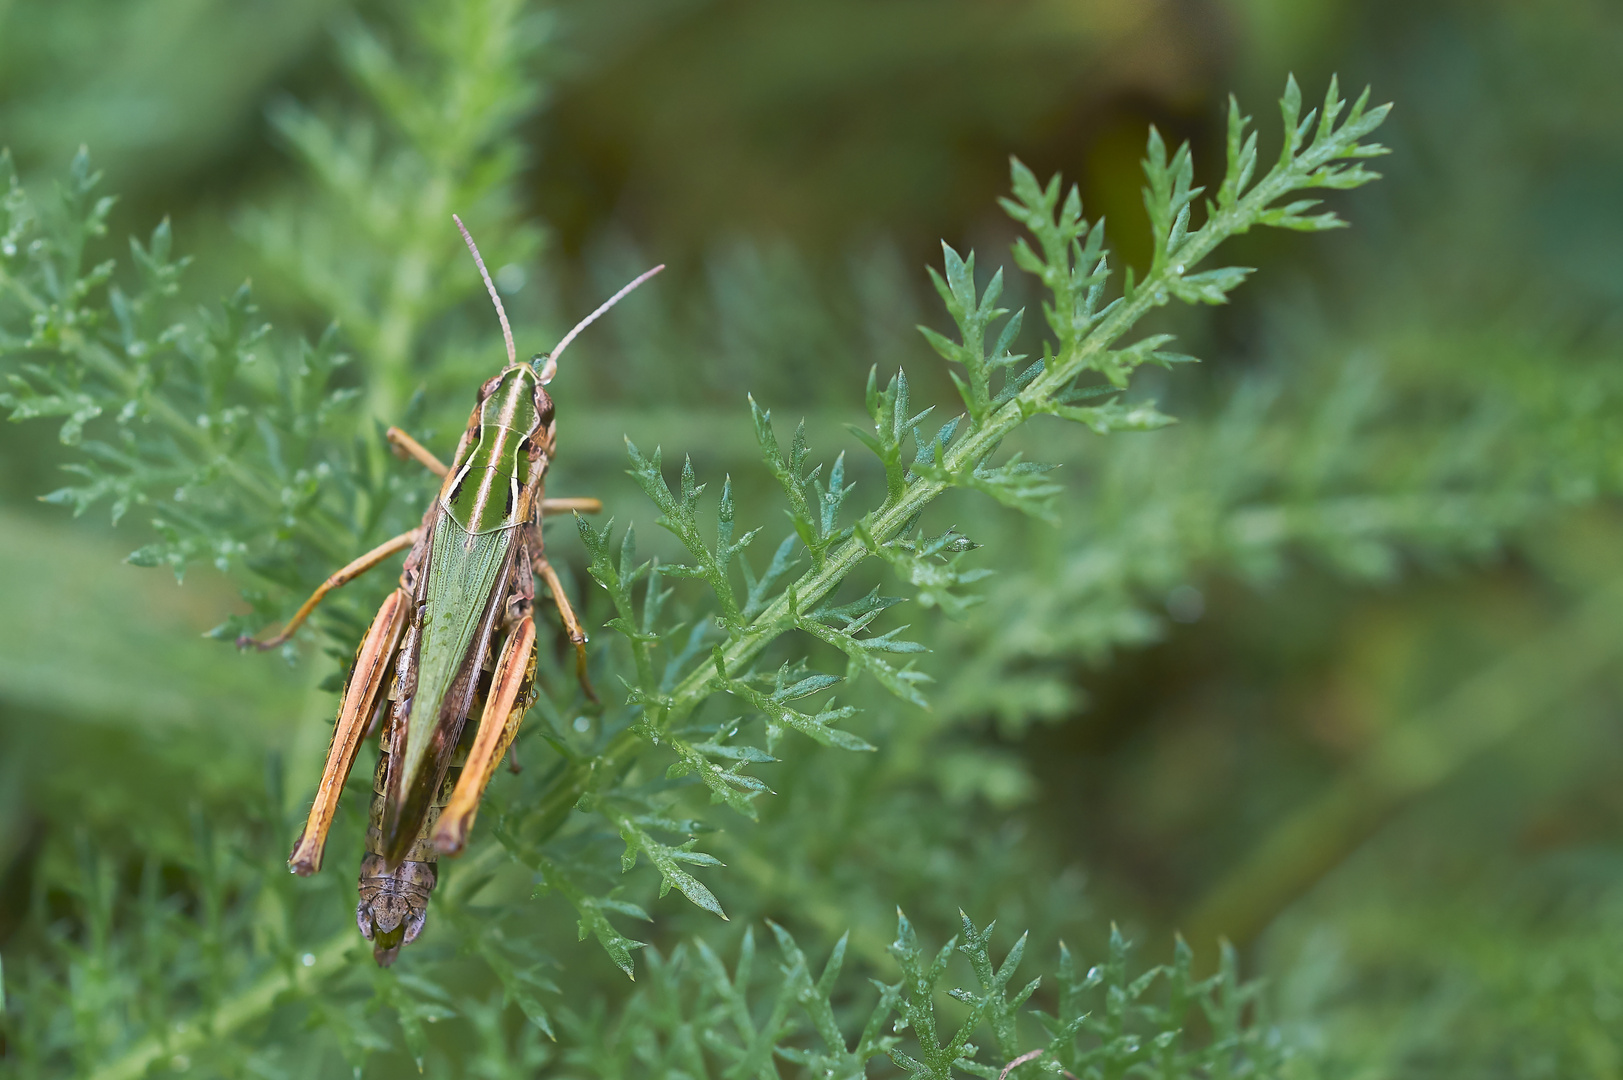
[372, 663]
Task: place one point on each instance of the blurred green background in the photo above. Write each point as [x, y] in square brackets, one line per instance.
[1372, 738]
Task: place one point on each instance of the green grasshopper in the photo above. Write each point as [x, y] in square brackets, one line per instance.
[458, 634]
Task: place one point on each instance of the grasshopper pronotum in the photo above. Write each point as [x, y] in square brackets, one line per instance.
[427, 660]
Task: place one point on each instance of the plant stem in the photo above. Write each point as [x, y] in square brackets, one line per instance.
[887, 523]
[236, 1010]
[1414, 757]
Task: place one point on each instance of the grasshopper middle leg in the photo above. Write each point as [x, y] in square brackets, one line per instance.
[341, 578]
[572, 626]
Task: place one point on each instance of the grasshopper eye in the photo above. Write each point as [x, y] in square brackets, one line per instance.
[546, 367]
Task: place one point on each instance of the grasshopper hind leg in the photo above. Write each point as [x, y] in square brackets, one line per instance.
[363, 694]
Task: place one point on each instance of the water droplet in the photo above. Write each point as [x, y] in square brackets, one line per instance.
[511, 278]
[1186, 604]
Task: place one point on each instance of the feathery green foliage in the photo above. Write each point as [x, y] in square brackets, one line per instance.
[1333, 471]
[696, 1018]
[93, 355]
[248, 450]
[956, 455]
[1326, 667]
[366, 243]
[228, 452]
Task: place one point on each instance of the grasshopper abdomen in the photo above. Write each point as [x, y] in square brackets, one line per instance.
[394, 903]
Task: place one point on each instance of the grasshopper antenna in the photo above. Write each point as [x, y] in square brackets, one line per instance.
[507, 331]
[551, 366]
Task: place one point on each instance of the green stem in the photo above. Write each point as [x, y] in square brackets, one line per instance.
[237, 1010]
[887, 523]
[1414, 757]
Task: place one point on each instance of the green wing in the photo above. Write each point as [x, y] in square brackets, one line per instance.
[463, 569]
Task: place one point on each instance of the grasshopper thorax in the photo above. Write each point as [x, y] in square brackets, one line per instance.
[509, 430]
[515, 397]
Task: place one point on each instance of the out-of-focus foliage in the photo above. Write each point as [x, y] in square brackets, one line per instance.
[72, 353]
[1325, 667]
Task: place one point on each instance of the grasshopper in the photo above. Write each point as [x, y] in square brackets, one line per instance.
[457, 634]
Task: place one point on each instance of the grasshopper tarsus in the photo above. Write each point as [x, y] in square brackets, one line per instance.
[580, 674]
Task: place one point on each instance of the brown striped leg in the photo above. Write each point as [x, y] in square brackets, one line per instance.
[343, 577]
[577, 506]
[372, 663]
[577, 633]
[511, 692]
